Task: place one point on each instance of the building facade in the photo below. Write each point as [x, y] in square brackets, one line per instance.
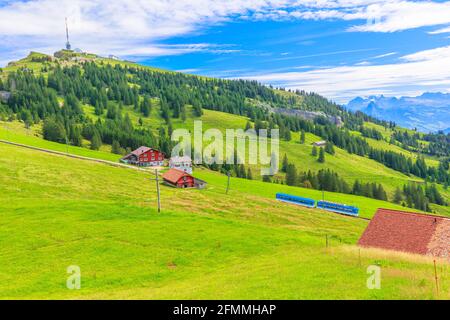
[4, 96]
[181, 163]
[145, 157]
[179, 179]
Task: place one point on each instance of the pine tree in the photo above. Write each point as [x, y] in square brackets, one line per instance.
[291, 175]
[321, 158]
[302, 137]
[398, 197]
[329, 148]
[96, 141]
[116, 147]
[285, 163]
[54, 130]
[287, 135]
[249, 174]
[314, 151]
[75, 136]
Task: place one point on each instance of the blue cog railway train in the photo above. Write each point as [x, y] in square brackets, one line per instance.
[296, 200]
[339, 208]
[324, 205]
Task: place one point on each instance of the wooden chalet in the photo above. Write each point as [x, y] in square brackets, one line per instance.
[145, 157]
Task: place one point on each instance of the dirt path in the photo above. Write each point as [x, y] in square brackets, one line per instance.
[107, 162]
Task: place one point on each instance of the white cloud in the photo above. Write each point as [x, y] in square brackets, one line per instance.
[135, 28]
[426, 70]
[442, 53]
[385, 55]
[115, 26]
[391, 16]
[439, 31]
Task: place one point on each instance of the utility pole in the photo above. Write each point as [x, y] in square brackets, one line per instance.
[228, 183]
[157, 190]
[436, 278]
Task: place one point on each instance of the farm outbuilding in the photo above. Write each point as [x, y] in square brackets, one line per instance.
[145, 157]
[4, 96]
[408, 232]
[180, 179]
[320, 143]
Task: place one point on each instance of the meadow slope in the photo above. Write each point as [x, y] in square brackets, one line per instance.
[57, 212]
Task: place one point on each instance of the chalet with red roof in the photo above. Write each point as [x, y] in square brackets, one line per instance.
[180, 179]
[145, 157]
[408, 232]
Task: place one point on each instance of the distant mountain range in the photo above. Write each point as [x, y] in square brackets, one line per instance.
[429, 112]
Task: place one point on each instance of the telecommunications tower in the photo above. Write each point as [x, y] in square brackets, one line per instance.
[68, 46]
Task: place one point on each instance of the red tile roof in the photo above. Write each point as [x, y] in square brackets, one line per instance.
[140, 151]
[407, 232]
[173, 175]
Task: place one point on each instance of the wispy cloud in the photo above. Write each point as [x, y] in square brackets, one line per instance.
[439, 31]
[425, 70]
[385, 55]
[323, 54]
[115, 26]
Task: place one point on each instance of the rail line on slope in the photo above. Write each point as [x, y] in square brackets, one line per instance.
[71, 155]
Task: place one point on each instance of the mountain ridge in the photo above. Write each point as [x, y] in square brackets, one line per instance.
[418, 112]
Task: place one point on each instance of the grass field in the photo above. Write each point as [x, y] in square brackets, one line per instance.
[57, 212]
[350, 167]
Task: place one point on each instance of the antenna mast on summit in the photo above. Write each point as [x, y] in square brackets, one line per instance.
[68, 46]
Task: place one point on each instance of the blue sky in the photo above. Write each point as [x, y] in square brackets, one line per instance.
[339, 48]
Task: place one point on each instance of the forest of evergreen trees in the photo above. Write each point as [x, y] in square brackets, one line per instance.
[58, 101]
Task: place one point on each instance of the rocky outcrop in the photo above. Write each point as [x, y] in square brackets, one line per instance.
[309, 115]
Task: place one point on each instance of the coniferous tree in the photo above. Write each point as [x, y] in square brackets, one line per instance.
[329, 148]
[398, 197]
[54, 130]
[75, 136]
[291, 175]
[285, 163]
[116, 147]
[146, 106]
[249, 174]
[314, 151]
[96, 141]
[321, 158]
[302, 137]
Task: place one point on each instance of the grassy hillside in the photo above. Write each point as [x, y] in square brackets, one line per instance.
[348, 166]
[204, 244]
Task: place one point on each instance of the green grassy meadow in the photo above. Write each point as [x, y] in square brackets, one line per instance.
[58, 211]
[348, 166]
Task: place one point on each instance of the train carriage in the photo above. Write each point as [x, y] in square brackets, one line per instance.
[306, 202]
[338, 208]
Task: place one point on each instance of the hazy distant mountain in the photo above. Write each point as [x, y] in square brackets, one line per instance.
[428, 112]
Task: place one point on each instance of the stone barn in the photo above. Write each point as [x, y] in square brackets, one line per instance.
[409, 232]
